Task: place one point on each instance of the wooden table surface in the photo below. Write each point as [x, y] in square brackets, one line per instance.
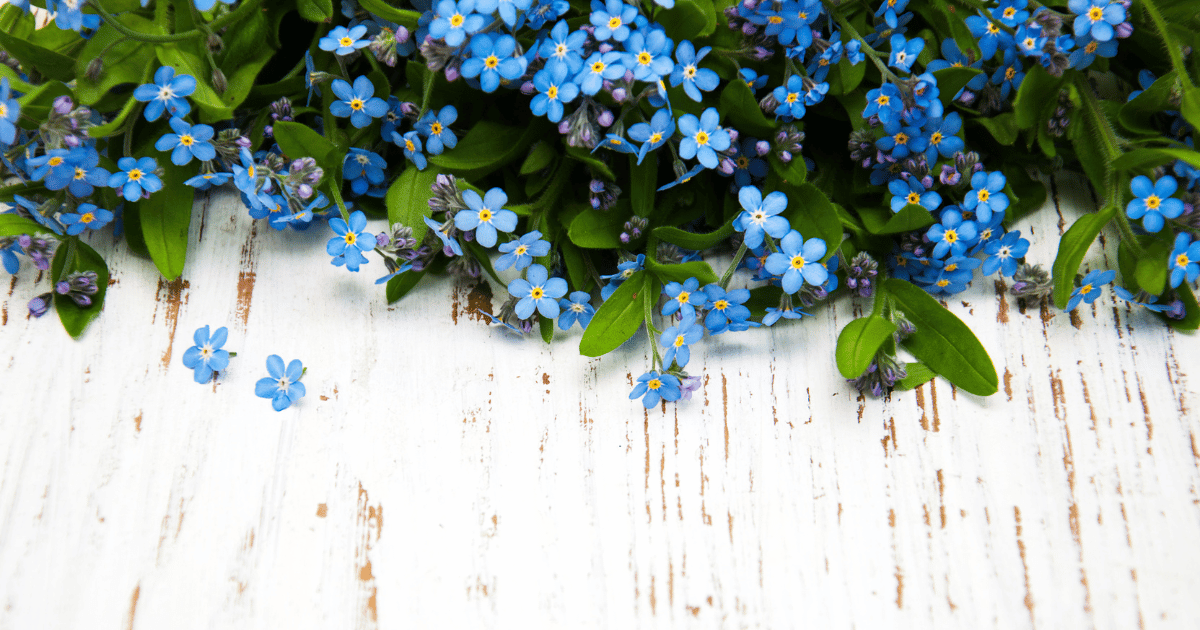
[443, 474]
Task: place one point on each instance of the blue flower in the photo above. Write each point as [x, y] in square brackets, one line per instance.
[1089, 289]
[166, 93]
[454, 21]
[951, 277]
[884, 102]
[86, 216]
[554, 90]
[578, 308]
[791, 24]
[598, 68]
[703, 137]
[206, 356]
[753, 80]
[625, 271]
[649, 55]
[986, 196]
[564, 47]
[910, 191]
[348, 246]
[54, 167]
[364, 169]
[1088, 49]
[309, 73]
[135, 178]
[747, 166]
[726, 310]
[245, 177]
[900, 140]
[774, 314]
[685, 297]
[683, 178]
[941, 136]
[1010, 73]
[1096, 18]
[35, 211]
[86, 174]
[450, 244]
[343, 41]
[492, 60]
[890, 9]
[537, 290]
[485, 215]
[611, 19]
[798, 261]
[1011, 12]
[654, 134]
[953, 234]
[679, 337]
[1185, 260]
[520, 253]
[1029, 40]
[201, 5]
[1128, 296]
[187, 142]
[508, 10]
[283, 387]
[69, 16]
[411, 143]
[10, 111]
[436, 129]
[693, 78]
[8, 256]
[988, 36]
[791, 98]
[653, 386]
[1154, 203]
[760, 216]
[1145, 80]
[1003, 254]
[359, 102]
[854, 52]
[905, 52]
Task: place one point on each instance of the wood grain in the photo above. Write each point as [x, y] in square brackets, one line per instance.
[522, 489]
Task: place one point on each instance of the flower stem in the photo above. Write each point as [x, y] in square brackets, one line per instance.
[144, 37]
[737, 259]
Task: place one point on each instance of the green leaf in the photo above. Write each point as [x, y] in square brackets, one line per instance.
[1142, 160]
[1071, 249]
[1037, 94]
[125, 60]
[619, 317]
[794, 173]
[1138, 114]
[576, 267]
[952, 80]
[1189, 107]
[858, 343]
[942, 341]
[485, 148]
[692, 240]
[1027, 194]
[400, 285]
[315, 10]
[1151, 275]
[13, 225]
[1191, 318]
[546, 327]
[681, 272]
[540, 157]
[399, 16]
[582, 155]
[185, 58]
[847, 78]
[742, 108]
[118, 122]
[299, 141]
[166, 217]
[1003, 127]
[812, 214]
[643, 183]
[918, 374]
[52, 64]
[408, 199]
[73, 317]
[595, 229]
[880, 220]
[691, 19]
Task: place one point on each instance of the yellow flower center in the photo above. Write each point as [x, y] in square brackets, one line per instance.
[552, 92]
[936, 137]
[1091, 48]
[655, 138]
[408, 144]
[679, 341]
[3, 110]
[822, 62]
[614, 23]
[951, 266]
[883, 100]
[54, 161]
[743, 162]
[901, 138]
[1182, 260]
[798, 262]
[701, 138]
[560, 50]
[913, 198]
[1153, 202]
[992, 28]
[792, 97]
[689, 71]
[491, 61]
[485, 215]
[1085, 289]
[1029, 43]
[1010, 11]
[1010, 73]
[356, 104]
[250, 171]
[537, 293]
[350, 237]
[87, 217]
[951, 236]
[654, 383]
[457, 20]
[943, 282]
[186, 140]
[135, 175]
[984, 195]
[775, 19]
[520, 250]
[803, 15]
[683, 296]
[598, 67]
[645, 58]
[1095, 14]
[720, 305]
[346, 41]
[80, 173]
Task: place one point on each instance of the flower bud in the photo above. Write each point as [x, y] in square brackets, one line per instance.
[605, 118]
[402, 35]
[95, 69]
[762, 147]
[218, 81]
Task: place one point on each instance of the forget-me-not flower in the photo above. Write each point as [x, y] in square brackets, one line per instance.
[283, 386]
[652, 387]
[135, 177]
[343, 41]
[537, 291]
[703, 137]
[485, 215]
[520, 253]
[798, 261]
[1089, 289]
[359, 102]
[1154, 203]
[348, 246]
[576, 309]
[187, 142]
[1185, 260]
[166, 93]
[206, 356]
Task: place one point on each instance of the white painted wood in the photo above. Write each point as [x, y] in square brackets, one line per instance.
[441, 474]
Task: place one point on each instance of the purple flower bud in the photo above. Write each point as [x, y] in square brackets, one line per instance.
[451, 73]
[315, 176]
[382, 240]
[726, 166]
[619, 94]
[564, 127]
[604, 47]
[605, 118]
[967, 97]
[785, 156]
[625, 238]
[243, 142]
[596, 186]
[63, 105]
[269, 131]
[927, 182]
[527, 88]
[750, 5]
[410, 109]
[72, 140]
[628, 76]
[39, 305]
[62, 288]
[733, 135]
[1124, 30]
[949, 176]
[762, 147]
[749, 29]
[402, 35]
[1177, 310]
[304, 191]
[762, 54]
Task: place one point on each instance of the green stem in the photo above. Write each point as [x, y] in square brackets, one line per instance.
[144, 37]
[246, 8]
[1127, 235]
[1172, 49]
[651, 331]
[69, 261]
[426, 91]
[737, 259]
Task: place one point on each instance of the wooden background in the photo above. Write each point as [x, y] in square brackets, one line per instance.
[443, 474]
